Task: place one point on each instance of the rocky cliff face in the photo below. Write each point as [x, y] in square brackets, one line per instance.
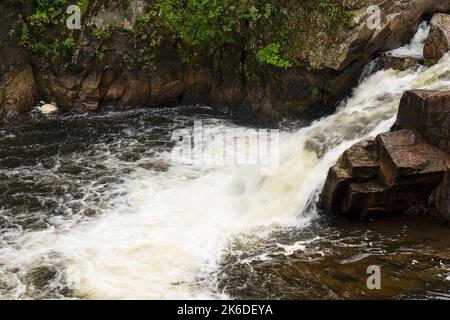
[18, 90]
[405, 170]
[288, 57]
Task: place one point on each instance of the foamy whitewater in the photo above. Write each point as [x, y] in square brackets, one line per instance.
[415, 48]
[162, 233]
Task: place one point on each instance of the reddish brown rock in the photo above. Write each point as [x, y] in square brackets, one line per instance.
[335, 188]
[399, 172]
[361, 160]
[428, 112]
[438, 42]
[405, 157]
[137, 91]
[116, 90]
[365, 198]
[89, 95]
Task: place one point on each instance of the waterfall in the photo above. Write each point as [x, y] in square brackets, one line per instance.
[163, 232]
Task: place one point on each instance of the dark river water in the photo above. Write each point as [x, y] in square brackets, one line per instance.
[61, 180]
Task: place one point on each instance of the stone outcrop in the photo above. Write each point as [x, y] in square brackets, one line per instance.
[406, 170]
[399, 21]
[330, 60]
[441, 204]
[18, 88]
[438, 42]
[429, 113]
[18, 91]
[398, 63]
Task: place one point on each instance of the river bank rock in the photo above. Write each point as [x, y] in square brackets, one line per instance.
[18, 87]
[402, 171]
[441, 204]
[438, 42]
[18, 91]
[111, 64]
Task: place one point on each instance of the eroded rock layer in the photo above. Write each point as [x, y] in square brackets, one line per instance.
[438, 43]
[125, 56]
[406, 170]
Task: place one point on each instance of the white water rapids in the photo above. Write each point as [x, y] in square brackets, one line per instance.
[163, 233]
[415, 48]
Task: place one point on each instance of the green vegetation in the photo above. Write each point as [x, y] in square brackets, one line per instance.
[260, 27]
[84, 5]
[47, 5]
[43, 32]
[270, 54]
[101, 34]
[335, 12]
[199, 22]
[142, 41]
[206, 22]
[69, 43]
[210, 24]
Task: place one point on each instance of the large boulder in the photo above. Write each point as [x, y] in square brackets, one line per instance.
[438, 42]
[400, 171]
[338, 48]
[429, 113]
[388, 61]
[407, 159]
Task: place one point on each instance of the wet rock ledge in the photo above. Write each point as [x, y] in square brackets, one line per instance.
[403, 171]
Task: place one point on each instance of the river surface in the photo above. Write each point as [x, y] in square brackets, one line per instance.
[94, 207]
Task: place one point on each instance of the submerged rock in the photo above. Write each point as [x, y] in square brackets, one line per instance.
[389, 61]
[356, 164]
[429, 113]
[401, 171]
[438, 42]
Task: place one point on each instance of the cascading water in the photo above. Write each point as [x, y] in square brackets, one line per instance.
[415, 48]
[117, 219]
